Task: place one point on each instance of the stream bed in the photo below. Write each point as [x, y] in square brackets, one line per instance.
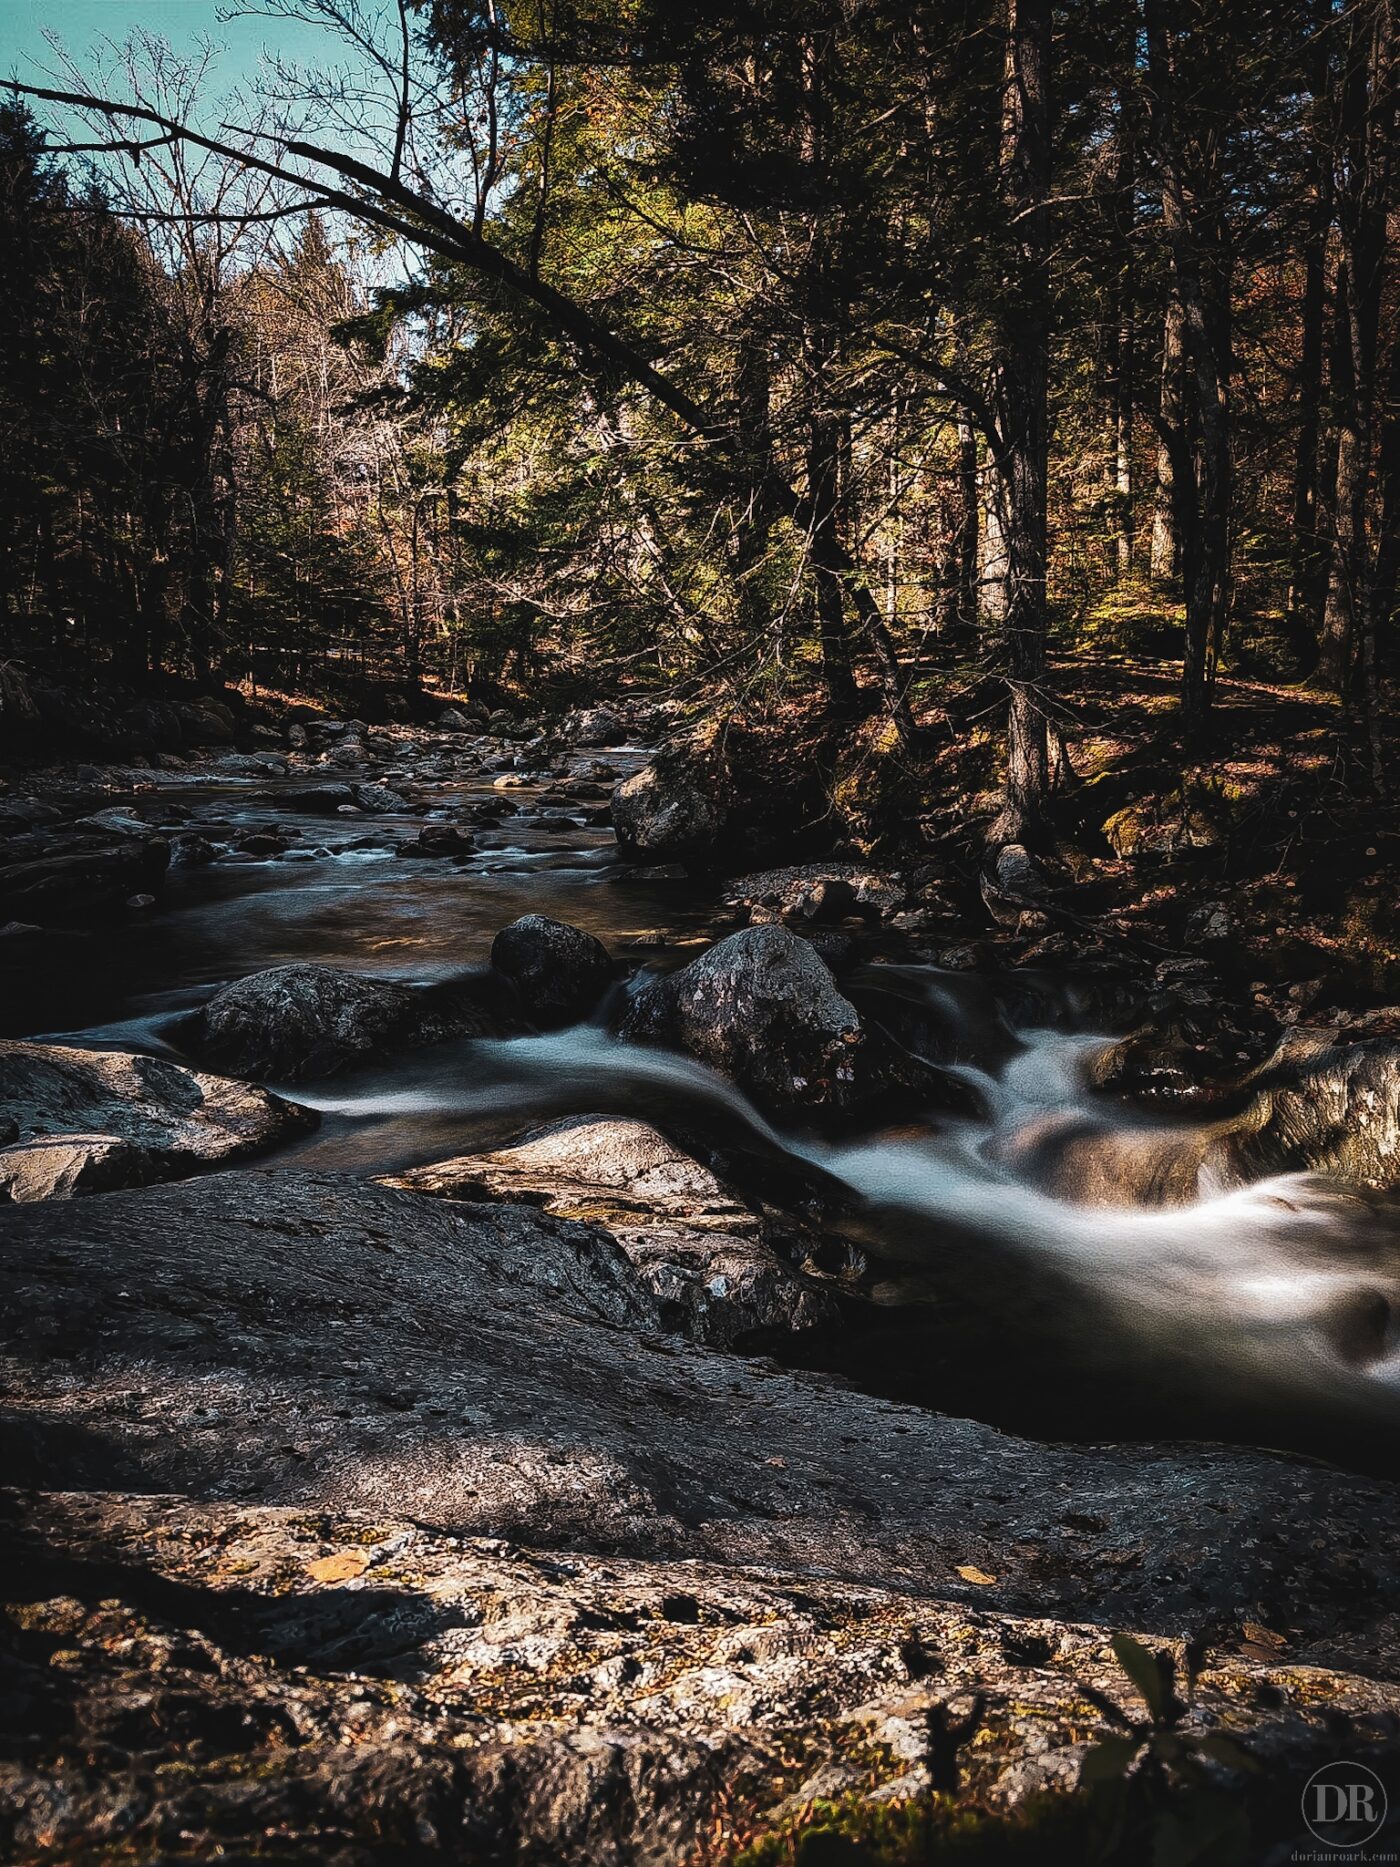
[1261, 1311]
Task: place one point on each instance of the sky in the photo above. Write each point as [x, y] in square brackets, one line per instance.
[24, 53]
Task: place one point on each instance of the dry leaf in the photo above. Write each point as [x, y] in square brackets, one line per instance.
[980, 1576]
[1262, 1636]
[341, 1567]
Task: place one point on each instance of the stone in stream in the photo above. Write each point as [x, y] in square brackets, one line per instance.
[63, 1166]
[762, 1007]
[401, 1518]
[298, 1021]
[379, 797]
[295, 1022]
[700, 1251]
[595, 726]
[1317, 1104]
[560, 972]
[86, 1120]
[439, 839]
[191, 850]
[673, 808]
[318, 799]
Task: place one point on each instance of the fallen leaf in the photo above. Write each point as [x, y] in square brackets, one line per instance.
[341, 1567]
[980, 1576]
[1261, 1636]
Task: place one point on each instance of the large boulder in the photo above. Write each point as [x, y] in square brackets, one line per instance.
[701, 1252]
[674, 809]
[559, 972]
[596, 726]
[299, 1021]
[497, 1372]
[763, 1008]
[88, 1120]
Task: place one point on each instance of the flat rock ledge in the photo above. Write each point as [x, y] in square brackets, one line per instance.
[353, 1525]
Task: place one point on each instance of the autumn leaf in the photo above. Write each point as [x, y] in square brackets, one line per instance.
[343, 1566]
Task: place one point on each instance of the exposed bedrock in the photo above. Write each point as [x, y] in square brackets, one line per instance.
[377, 1520]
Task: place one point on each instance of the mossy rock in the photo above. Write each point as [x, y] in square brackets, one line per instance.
[1198, 816]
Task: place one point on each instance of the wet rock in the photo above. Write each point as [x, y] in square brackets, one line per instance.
[439, 839]
[699, 1251]
[300, 1021]
[673, 808]
[191, 850]
[763, 1008]
[88, 1119]
[1326, 1107]
[379, 797]
[317, 799]
[249, 765]
[116, 821]
[559, 972]
[596, 1167]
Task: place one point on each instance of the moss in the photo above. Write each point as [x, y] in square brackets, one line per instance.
[857, 1832]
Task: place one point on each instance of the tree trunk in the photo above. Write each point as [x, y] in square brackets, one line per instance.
[1368, 110]
[1192, 221]
[1387, 556]
[823, 494]
[1123, 447]
[993, 570]
[1020, 410]
[1306, 583]
[959, 619]
[1166, 534]
[1119, 319]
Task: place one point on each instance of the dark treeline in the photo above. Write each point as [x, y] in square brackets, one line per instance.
[861, 352]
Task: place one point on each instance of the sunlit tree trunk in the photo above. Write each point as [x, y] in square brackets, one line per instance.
[1021, 411]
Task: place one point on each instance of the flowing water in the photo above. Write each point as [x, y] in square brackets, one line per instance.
[1023, 1264]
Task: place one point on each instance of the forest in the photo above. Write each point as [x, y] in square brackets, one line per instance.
[700, 933]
